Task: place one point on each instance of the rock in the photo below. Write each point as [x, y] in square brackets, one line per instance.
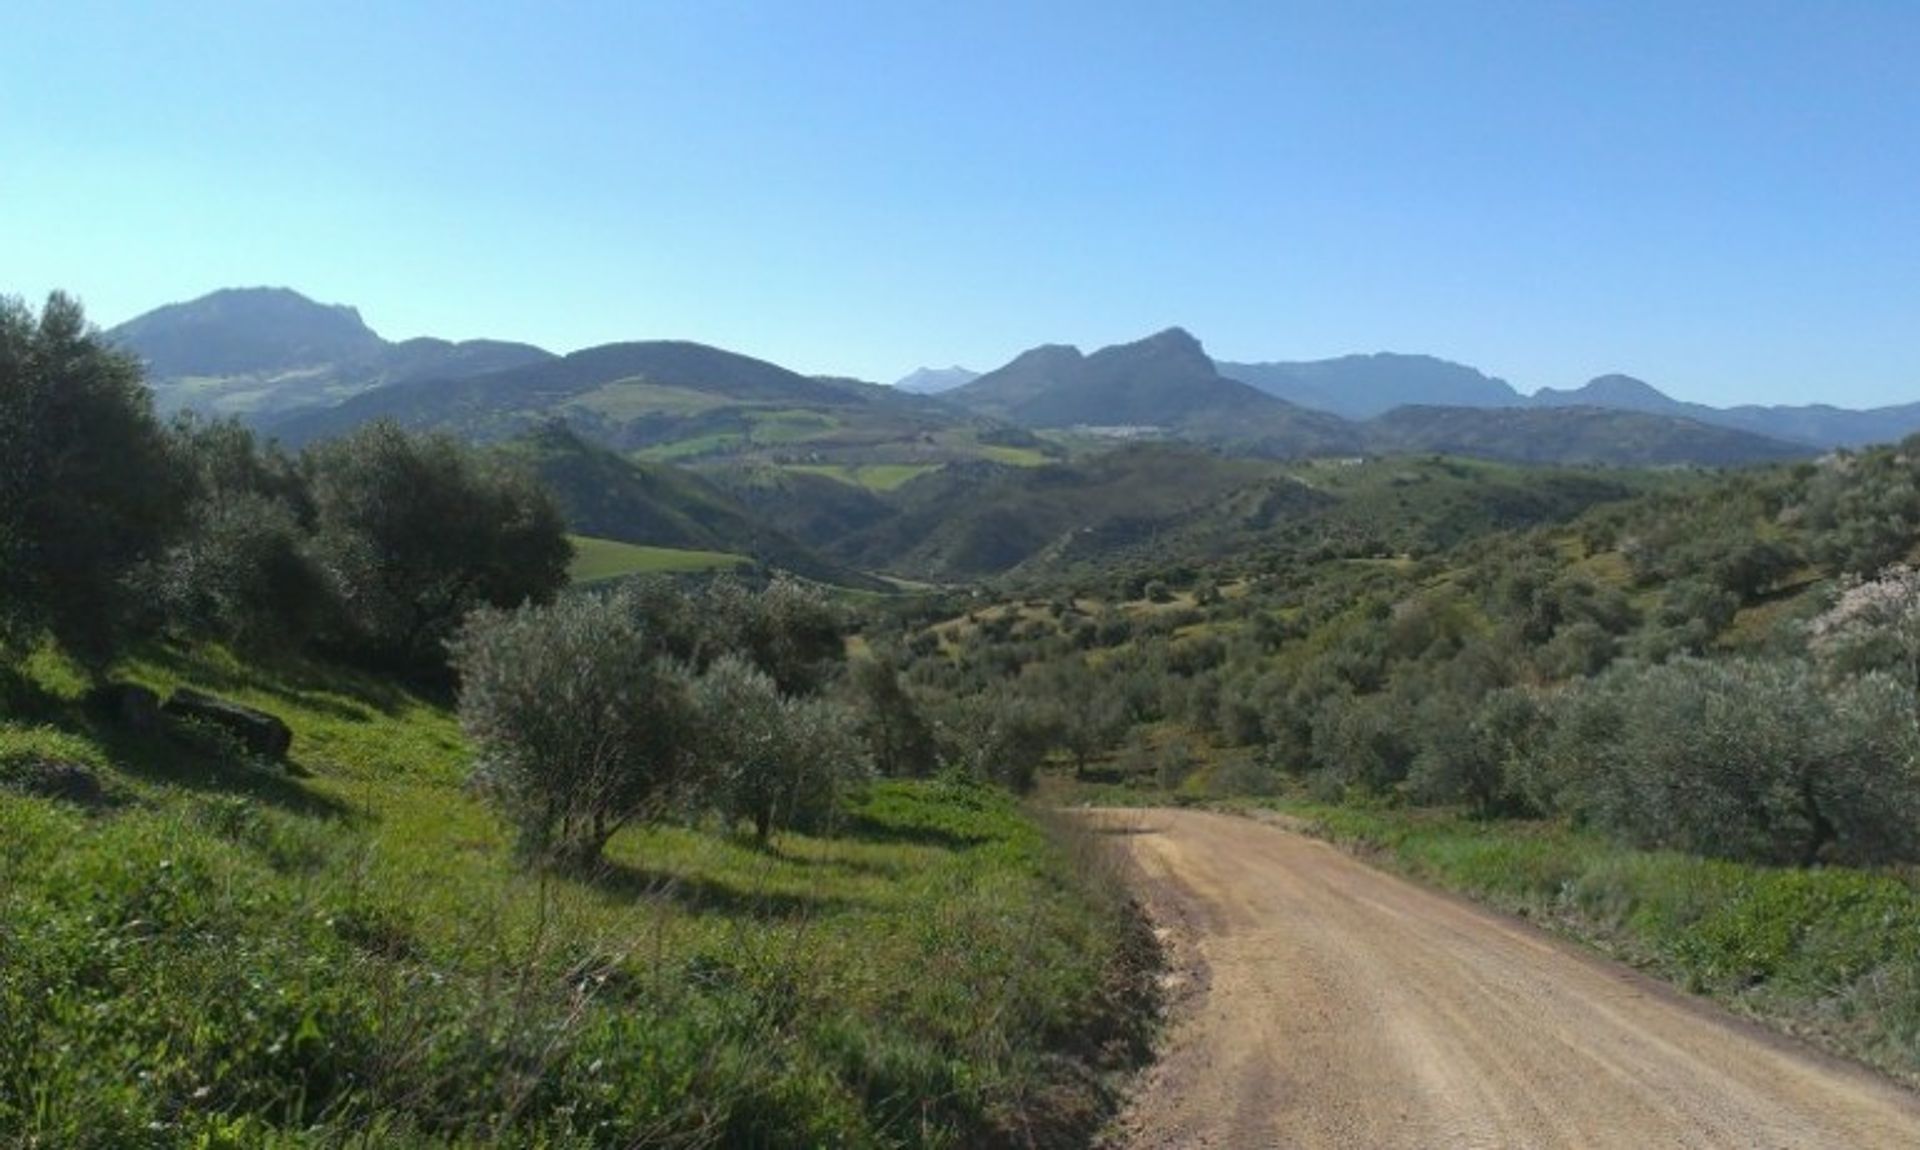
[260, 732]
[55, 779]
[136, 707]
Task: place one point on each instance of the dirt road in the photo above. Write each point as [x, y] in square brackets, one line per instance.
[1324, 1003]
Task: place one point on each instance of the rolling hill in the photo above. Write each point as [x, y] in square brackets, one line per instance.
[673, 401]
[1572, 435]
[609, 497]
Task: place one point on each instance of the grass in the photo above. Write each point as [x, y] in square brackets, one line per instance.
[220, 953]
[1013, 456]
[1832, 954]
[872, 476]
[597, 559]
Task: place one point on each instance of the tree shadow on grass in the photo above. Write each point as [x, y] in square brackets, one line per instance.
[309, 686]
[156, 758]
[869, 829]
[708, 896]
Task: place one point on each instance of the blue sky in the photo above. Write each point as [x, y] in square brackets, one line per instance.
[1723, 199]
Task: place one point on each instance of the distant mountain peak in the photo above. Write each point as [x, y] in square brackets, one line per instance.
[933, 380]
[1174, 337]
[1617, 386]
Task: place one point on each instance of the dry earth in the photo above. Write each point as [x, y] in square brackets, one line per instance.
[1319, 1002]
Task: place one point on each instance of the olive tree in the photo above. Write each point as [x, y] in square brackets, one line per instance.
[416, 531]
[88, 487]
[1759, 760]
[774, 761]
[578, 726]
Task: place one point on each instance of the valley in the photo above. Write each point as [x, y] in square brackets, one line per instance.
[708, 705]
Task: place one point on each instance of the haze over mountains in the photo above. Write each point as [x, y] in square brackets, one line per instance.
[303, 370]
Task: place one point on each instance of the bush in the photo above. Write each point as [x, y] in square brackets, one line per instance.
[417, 531]
[578, 727]
[88, 486]
[1743, 760]
[776, 762]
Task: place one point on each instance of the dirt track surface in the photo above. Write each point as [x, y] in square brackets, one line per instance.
[1319, 1002]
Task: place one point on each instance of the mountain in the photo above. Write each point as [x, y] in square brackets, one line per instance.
[257, 352]
[1163, 384]
[1819, 425]
[1363, 386]
[611, 497]
[1572, 435]
[934, 380]
[672, 400]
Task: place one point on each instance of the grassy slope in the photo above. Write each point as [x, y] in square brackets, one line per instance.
[229, 955]
[596, 559]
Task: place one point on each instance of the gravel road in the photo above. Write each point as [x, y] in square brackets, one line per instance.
[1319, 1002]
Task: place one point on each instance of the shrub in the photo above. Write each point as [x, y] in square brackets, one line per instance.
[578, 727]
[88, 486]
[416, 532]
[1742, 760]
[776, 762]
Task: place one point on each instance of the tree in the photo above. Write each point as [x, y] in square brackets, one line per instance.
[242, 572]
[1753, 760]
[788, 629]
[88, 487]
[1874, 623]
[898, 735]
[776, 762]
[417, 531]
[578, 726]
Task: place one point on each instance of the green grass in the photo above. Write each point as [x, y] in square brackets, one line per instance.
[1014, 456]
[691, 447]
[1830, 953]
[596, 559]
[872, 476]
[223, 954]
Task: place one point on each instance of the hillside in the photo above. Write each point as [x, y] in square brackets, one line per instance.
[673, 401]
[261, 352]
[1573, 435]
[1819, 425]
[607, 496]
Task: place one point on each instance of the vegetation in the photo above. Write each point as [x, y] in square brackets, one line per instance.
[598, 559]
[215, 953]
[88, 485]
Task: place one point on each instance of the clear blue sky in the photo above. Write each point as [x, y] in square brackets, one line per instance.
[1723, 199]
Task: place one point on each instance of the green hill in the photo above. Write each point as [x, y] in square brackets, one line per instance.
[607, 496]
[1573, 435]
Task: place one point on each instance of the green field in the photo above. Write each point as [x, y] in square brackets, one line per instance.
[208, 952]
[872, 476]
[597, 559]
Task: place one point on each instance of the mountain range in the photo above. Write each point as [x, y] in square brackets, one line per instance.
[303, 370]
[1362, 387]
[1058, 458]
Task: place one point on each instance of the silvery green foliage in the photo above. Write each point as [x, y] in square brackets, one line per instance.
[1873, 623]
[775, 761]
[578, 727]
[1754, 760]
